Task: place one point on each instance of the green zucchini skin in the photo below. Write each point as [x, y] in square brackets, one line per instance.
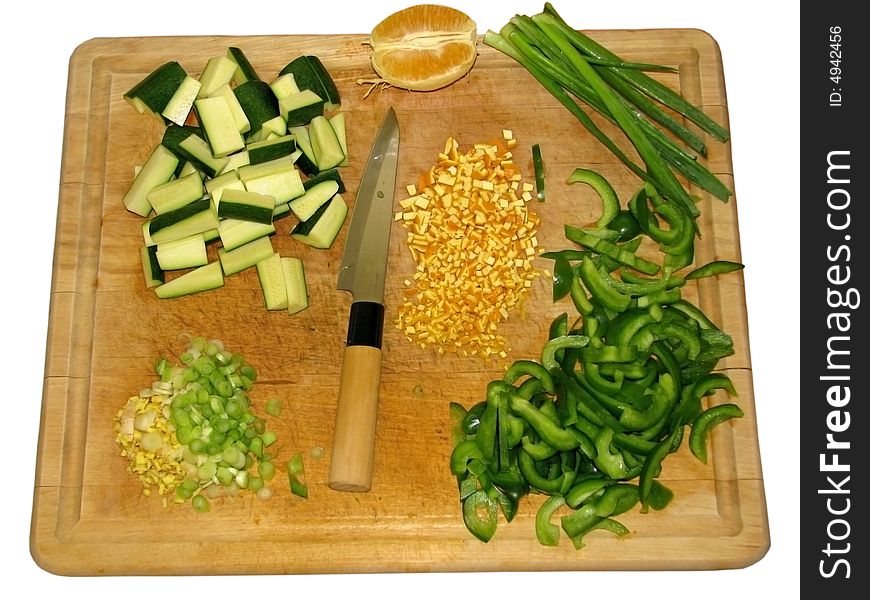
[245, 71]
[310, 74]
[324, 225]
[157, 88]
[258, 102]
[323, 176]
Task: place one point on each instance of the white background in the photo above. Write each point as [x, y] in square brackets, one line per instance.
[760, 50]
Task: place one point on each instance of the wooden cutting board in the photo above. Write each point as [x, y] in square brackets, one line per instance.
[106, 330]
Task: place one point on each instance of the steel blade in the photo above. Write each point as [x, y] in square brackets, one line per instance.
[364, 263]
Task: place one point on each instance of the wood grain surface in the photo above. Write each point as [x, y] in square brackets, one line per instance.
[106, 329]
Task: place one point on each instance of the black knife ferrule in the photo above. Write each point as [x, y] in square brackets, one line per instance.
[366, 325]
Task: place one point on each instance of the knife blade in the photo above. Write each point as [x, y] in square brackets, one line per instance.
[363, 274]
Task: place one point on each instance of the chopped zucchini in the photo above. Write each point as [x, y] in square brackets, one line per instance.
[235, 233]
[296, 286]
[239, 116]
[266, 150]
[238, 259]
[182, 254]
[245, 71]
[246, 205]
[284, 85]
[271, 275]
[218, 72]
[316, 196]
[322, 228]
[153, 93]
[323, 176]
[157, 170]
[219, 125]
[176, 193]
[154, 275]
[200, 279]
[306, 162]
[259, 103]
[324, 143]
[310, 74]
[216, 186]
[299, 109]
[196, 217]
[339, 126]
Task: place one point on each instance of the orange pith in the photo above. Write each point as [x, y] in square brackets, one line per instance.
[424, 47]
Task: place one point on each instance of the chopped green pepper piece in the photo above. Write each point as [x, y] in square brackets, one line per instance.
[611, 250]
[717, 267]
[704, 422]
[480, 513]
[538, 163]
[547, 533]
[609, 200]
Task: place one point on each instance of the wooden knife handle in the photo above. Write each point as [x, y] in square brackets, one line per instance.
[353, 443]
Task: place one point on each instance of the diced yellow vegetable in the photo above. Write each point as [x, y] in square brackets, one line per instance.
[473, 240]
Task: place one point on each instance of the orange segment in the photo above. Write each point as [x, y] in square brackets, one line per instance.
[424, 47]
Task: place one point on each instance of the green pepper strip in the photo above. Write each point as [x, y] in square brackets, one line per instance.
[535, 479]
[609, 200]
[659, 496]
[603, 385]
[538, 450]
[704, 422]
[467, 486]
[646, 220]
[664, 397]
[579, 298]
[471, 420]
[647, 286]
[587, 427]
[659, 297]
[530, 387]
[629, 277]
[548, 354]
[566, 401]
[595, 406]
[610, 463]
[529, 367]
[717, 267]
[586, 489]
[633, 443]
[617, 499]
[597, 285]
[457, 416]
[486, 432]
[688, 338]
[631, 370]
[559, 325]
[538, 162]
[579, 523]
[502, 434]
[611, 250]
[563, 275]
[568, 254]
[480, 513]
[609, 354]
[652, 467]
[462, 454]
[623, 328]
[509, 504]
[547, 533]
[550, 432]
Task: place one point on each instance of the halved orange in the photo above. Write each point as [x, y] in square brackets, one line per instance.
[424, 47]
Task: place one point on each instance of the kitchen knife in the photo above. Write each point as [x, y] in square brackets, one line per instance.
[362, 273]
